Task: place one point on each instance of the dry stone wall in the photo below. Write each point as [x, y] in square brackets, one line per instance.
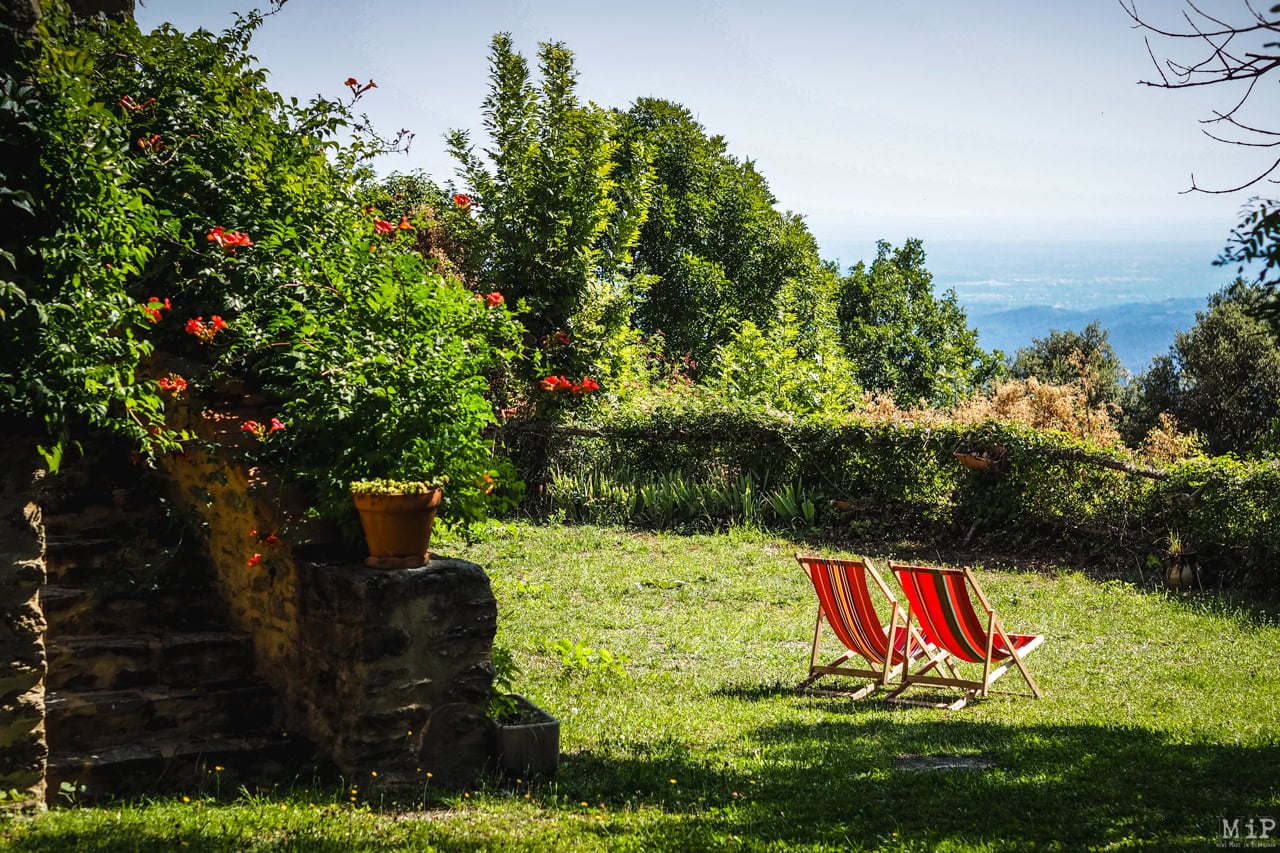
[387, 671]
[394, 668]
[23, 749]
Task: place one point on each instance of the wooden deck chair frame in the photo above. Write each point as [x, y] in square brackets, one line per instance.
[961, 631]
[853, 619]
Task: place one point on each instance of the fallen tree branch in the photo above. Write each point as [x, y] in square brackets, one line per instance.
[1106, 462]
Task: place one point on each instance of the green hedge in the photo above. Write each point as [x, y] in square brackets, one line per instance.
[903, 479]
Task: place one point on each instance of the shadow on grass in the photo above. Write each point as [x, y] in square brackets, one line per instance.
[853, 781]
[756, 692]
[146, 841]
[849, 782]
[1231, 604]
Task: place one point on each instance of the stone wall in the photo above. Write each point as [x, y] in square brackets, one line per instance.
[261, 591]
[387, 671]
[23, 749]
[394, 671]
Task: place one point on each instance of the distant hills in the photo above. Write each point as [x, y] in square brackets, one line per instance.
[1141, 292]
[1139, 331]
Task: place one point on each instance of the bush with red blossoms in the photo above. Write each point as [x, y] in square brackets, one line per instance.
[153, 306]
[205, 332]
[561, 385]
[356, 89]
[377, 363]
[262, 431]
[228, 240]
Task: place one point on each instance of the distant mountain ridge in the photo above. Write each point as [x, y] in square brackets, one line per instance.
[1141, 292]
[1139, 331]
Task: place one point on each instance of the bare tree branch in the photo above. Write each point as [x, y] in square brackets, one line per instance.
[1232, 54]
[1263, 176]
[1156, 63]
[1130, 8]
[1259, 131]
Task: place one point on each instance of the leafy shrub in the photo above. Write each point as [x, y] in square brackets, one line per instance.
[1221, 378]
[212, 241]
[669, 469]
[765, 371]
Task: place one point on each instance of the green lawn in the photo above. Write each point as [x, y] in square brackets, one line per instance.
[1160, 718]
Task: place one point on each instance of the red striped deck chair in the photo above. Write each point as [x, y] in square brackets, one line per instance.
[939, 600]
[845, 603]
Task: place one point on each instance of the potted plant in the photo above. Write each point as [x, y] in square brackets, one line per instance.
[397, 517]
[1179, 563]
[526, 738]
[397, 372]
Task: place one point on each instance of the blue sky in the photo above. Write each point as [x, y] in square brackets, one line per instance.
[991, 120]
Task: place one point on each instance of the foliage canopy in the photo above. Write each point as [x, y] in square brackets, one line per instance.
[174, 186]
[903, 339]
[1067, 357]
[1221, 378]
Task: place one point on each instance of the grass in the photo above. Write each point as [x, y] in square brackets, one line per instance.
[1159, 720]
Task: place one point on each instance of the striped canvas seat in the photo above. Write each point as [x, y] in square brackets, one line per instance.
[846, 604]
[940, 601]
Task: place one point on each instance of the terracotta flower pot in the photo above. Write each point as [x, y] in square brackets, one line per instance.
[397, 528]
[1180, 571]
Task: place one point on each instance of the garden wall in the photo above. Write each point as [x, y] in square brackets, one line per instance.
[23, 748]
[388, 671]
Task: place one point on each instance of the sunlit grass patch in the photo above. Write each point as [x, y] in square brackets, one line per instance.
[1159, 718]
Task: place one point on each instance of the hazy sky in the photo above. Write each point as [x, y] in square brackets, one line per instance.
[989, 119]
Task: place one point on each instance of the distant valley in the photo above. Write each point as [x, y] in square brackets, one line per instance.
[1142, 293]
[1139, 331]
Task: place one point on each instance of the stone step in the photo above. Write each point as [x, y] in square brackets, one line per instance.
[173, 764]
[119, 661]
[112, 556]
[80, 610]
[95, 720]
[92, 519]
[77, 556]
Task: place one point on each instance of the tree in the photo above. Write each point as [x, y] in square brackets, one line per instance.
[1221, 378]
[549, 216]
[717, 248]
[1080, 358]
[901, 338]
[799, 366]
[1239, 53]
